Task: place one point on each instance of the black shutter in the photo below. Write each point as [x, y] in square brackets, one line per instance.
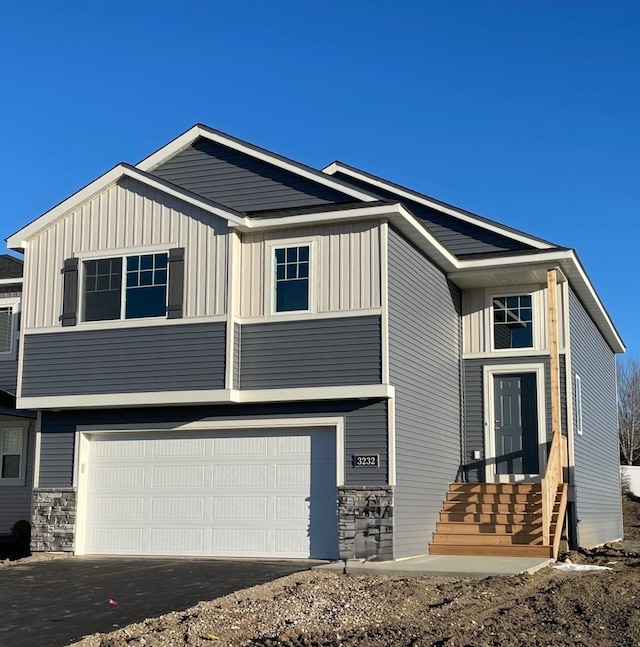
[70, 292]
[176, 283]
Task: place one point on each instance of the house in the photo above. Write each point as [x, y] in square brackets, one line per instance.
[234, 354]
[17, 428]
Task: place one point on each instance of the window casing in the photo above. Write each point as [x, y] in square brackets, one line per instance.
[512, 321]
[12, 455]
[578, 382]
[125, 287]
[291, 278]
[8, 327]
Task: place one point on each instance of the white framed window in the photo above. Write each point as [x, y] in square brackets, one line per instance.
[578, 386]
[12, 455]
[131, 286]
[291, 275]
[512, 317]
[9, 308]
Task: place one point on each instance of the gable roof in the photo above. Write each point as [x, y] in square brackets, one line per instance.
[443, 218]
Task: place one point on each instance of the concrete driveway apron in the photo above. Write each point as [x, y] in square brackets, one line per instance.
[54, 603]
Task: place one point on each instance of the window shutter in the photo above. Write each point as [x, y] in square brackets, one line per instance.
[70, 292]
[176, 283]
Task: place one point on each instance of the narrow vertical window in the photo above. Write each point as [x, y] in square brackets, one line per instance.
[11, 450]
[292, 278]
[6, 329]
[578, 405]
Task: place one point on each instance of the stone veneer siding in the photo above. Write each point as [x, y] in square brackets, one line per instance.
[54, 520]
[365, 526]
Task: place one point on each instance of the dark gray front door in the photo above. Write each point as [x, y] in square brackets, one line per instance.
[516, 424]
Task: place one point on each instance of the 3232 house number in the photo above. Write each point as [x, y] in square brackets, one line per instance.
[366, 460]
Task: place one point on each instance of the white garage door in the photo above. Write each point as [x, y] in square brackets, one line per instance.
[247, 494]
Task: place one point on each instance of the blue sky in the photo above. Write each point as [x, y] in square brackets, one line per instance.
[525, 111]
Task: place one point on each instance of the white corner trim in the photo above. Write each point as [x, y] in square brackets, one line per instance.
[187, 138]
[168, 398]
[391, 441]
[449, 210]
[384, 299]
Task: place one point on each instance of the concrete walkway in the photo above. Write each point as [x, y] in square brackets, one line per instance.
[444, 566]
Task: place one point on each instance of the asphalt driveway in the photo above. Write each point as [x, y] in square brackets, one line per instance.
[54, 603]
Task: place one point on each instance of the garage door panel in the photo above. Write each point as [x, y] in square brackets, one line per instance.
[236, 494]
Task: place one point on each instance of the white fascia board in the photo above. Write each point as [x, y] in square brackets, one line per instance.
[17, 281]
[187, 138]
[451, 211]
[571, 269]
[20, 238]
[402, 218]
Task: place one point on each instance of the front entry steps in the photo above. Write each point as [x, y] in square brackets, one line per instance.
[494, 519]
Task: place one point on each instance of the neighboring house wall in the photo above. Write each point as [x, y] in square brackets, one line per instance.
[124, 360]
[424, 368]
[310, 353]
[129, 215]
[15, 500]
[345, 267]
[241, 182]
[630, 475]
[9, 363]
[596, 472]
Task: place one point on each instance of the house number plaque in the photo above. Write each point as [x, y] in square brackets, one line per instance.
[366, 460]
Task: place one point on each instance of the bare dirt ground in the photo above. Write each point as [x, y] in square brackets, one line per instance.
[317, 608]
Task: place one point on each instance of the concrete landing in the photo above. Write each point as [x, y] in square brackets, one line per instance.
[443, 566]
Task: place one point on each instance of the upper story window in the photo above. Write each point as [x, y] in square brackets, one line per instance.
[8, 327]
[292, 278]
[128, 287]
[512, 321]
[12, 449]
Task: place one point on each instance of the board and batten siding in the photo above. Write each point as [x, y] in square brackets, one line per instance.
[15, 500]
[476, 317]
[474, 414]
[124, 360]
[596, 453]
[242, 182]
[365, 428]
[344, 268]
[129, 214]
[311, 353]
[424, 368]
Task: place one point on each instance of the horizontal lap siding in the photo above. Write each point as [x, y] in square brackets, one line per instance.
[125, 215]
[365, 427]
[125, 360]
[424, 351]
[242, 182]
[311, 353]
[8, 375]
[474, 405]
[15, 501]
[596, 472]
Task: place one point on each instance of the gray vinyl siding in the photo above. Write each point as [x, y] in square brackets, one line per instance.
[424, 365]
[365, 427]
[8, 375]
[596, 473]
[311, 353]
[125, 360]
[458, 236]
[241, 182]
[474, 406]
[15, 501]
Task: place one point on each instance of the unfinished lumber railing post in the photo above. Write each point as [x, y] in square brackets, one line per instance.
[553, 476]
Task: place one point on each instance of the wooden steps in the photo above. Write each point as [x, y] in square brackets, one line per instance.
[501, 519]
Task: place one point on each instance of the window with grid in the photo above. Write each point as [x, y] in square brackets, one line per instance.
[132, 287]
[292, 278]
[12, 447]
[512, 322]
[6, 329]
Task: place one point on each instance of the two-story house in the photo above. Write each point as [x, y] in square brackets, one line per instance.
[234, 354]
[17, 428]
